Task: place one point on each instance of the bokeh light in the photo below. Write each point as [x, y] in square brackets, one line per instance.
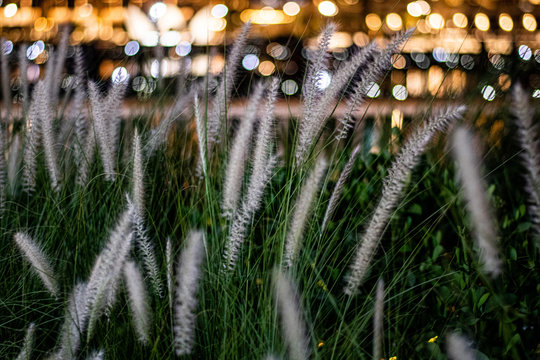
[328, 8]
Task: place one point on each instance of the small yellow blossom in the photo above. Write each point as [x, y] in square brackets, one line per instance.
[258, 281]
[432, 340]
[322, 284]
[393, 358]
[321, 344]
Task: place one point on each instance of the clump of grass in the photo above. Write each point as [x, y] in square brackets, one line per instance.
[261, 202]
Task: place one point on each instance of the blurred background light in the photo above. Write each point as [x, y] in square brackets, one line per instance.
[10, 10]
[460, 20]
[250, 61]
[183, 48]
[529, 22]
[525, 52]
[291, 8]
[481, 21]
[394, 21]
[219, 11]
[373, 90]
[373, 22]
[505, 22]
[120, 74]
[289, 87]
[157, 10]
[131, 48]
[488, 92]
[436, 21]
[328, 8]
[399, 92]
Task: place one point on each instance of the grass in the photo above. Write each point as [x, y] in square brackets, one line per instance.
[433, 281]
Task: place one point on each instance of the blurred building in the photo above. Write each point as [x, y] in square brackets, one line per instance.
[453, 39]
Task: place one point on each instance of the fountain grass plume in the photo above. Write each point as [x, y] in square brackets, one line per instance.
[97, 355]
[112, 111]
[189, 274]
[138, 301]
[39, 261]
[46, 114]
[104, 278]
[28, 345]
[88, 155]
[137, 175]
[338, 189]
[59, 62]
[394, 185]
[201, 135]
[310, 122]
[372, 73]
[72, 328]
[475, 192]
[378, 319]
[527, 131]
[31, 145]
[77, 118]
[250, 204]
[169, 264]
[14, 162]
[340, 79]
[263, 164]
[218, 111]
[234, 173]
[144, 243]
[302, 211]
[459, 348]
[23, 68]
[102, 129]
[265, 133]
[293, 326]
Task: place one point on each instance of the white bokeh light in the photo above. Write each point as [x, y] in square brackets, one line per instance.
[183, 48]
[488, 92]
[157, 11]
[250, 61]
[373, 90]
[119, 75]
[132, 48]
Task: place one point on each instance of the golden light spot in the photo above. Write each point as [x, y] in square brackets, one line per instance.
[529, 22]
[432, 340]
[505, 22]
[481, 21]
[394, 21]
[321, 344]
[436, 21]
[373, 22]
[460, 20]
[393, 358]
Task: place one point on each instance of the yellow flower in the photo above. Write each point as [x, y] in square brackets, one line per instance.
[393, 358]
[432, 340]
[258, 281]
[321, 344]
[322, 284]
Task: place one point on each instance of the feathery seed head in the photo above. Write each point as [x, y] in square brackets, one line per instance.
[138, 301]
[188, 278]
[474, 191]
[293, 326]
[393, 187]
[37, 258]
